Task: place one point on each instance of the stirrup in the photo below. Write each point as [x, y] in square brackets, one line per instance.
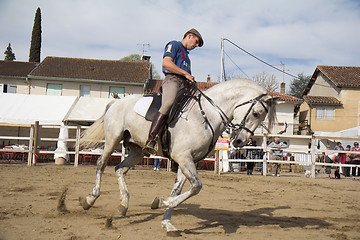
[151, 148]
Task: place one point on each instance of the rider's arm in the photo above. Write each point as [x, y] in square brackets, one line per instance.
[170, 66]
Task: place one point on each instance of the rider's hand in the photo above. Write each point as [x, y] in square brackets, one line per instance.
[190, 77]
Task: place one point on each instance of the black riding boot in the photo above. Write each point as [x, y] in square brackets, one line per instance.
[156, 125]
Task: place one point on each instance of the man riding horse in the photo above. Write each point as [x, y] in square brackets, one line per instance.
[177, 69]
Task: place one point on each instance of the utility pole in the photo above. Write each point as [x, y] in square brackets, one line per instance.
[222, 77]
[143, 47]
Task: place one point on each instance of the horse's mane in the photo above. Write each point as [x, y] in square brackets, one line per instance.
[271, 116]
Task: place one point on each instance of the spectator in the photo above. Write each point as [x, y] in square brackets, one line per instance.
[339, 147]
[157, 164]
[346, 160]
[331, 157]
[251, 154]
[277, 154]
[355, 157]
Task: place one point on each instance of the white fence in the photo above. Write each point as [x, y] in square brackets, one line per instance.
[304, 156]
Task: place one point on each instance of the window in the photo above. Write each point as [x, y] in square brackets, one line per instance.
[84, 91]
[117, 90]
[325, 113]
[53, 89]
[7, 88]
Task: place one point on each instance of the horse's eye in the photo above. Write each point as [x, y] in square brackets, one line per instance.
[256, 115]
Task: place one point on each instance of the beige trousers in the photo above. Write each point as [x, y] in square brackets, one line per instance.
[170, 87]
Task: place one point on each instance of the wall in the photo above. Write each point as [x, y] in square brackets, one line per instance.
[346, 116]
[323, 87]
[73, 88]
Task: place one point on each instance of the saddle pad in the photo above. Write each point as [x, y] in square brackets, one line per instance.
[147, 106]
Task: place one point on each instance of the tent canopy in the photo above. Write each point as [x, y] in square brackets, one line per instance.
[50, 110]
[87, 110]
[26, 109]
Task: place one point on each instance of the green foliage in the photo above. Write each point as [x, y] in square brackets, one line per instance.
[35, 47]
[131, 58]
[298, 85]
[9, 55]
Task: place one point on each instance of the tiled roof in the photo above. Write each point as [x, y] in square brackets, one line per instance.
[16, 69]
[322, 100]
[342, 76]
[284, 97]
[154, 86]
[78, 68]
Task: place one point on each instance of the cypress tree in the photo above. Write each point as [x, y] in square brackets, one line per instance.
[35, 47]
[9, 55]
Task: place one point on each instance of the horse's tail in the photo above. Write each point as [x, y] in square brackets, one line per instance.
[91, 137]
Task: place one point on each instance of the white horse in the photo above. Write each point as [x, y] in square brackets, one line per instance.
[240, 104]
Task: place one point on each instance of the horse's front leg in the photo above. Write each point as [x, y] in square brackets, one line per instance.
[135, 156]
[89, 201]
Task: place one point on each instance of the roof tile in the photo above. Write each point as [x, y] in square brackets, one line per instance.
[322, 100]
[16, 69]
[78, 68]
[342, 76]
[284, 97]
[154, 85]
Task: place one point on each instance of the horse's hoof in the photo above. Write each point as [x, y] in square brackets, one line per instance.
[122, 210]
[84, 204]
[156, 203]
[173, 233]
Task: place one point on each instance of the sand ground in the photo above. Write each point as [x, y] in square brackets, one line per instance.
[230, 206]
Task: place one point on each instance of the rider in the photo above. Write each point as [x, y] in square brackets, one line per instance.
[176, 67]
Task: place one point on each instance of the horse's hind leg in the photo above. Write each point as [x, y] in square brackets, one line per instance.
[89, 201]
[134, 157]
[176, 190]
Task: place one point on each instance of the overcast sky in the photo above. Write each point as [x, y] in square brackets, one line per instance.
[300, 34]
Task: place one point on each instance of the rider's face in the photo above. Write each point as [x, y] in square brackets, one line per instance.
[193, 42]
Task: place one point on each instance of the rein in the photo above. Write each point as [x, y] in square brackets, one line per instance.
[225, 119]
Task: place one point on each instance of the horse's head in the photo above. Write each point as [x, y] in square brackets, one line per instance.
[248, 115]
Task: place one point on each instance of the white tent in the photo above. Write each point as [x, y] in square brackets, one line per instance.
[347, 133]
[26, 109]
[87, 110]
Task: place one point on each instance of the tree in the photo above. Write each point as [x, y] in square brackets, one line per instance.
[35, 46]
[137, 58]
[132, 58]
[9, 55]
[266, 80]
[298, 85]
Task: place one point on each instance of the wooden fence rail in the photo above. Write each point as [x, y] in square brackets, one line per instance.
[312, 153]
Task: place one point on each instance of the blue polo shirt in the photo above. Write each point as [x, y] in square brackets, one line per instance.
[180, 55]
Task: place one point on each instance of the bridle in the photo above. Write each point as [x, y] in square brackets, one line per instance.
[238, 127]
[225, 119]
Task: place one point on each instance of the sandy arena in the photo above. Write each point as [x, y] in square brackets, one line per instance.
[230, 206]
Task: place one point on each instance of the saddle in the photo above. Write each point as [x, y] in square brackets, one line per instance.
[151, 104]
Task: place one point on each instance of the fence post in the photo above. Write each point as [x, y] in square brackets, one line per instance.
[313, 151]
[264, 170]
[77, 148]
[36, 138]
[31, 142]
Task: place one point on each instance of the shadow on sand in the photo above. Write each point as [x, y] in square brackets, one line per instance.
[231, 221]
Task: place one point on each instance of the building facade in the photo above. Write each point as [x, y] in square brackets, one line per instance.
[331, 100]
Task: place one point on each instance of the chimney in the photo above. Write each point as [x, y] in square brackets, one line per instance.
[145, 58]
[282, 88]
[208, 78]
